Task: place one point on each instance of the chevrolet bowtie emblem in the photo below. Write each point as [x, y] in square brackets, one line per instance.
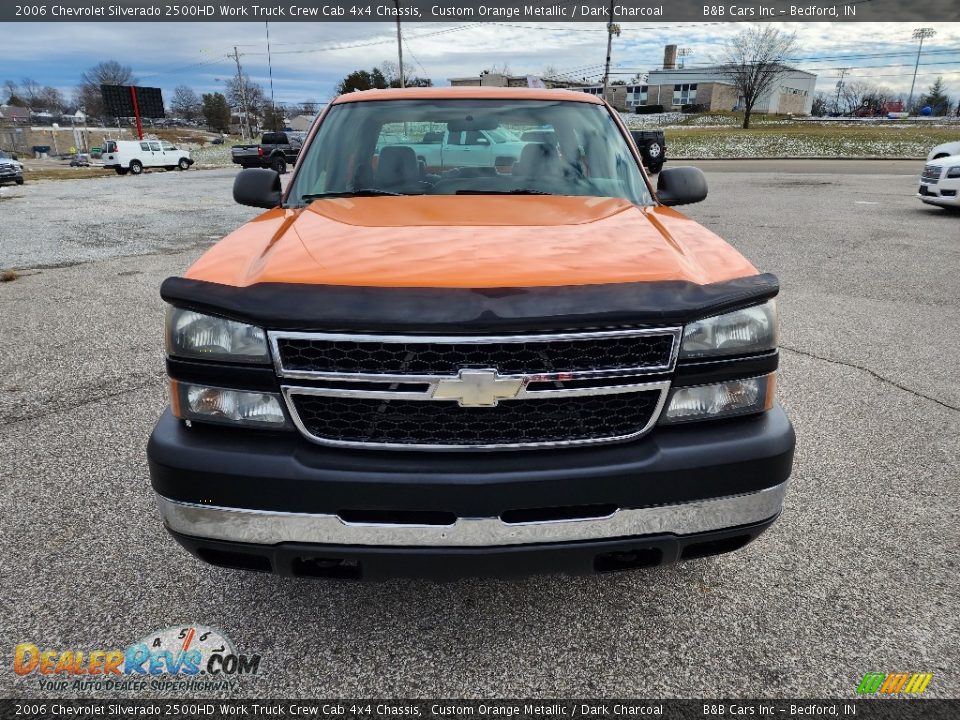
[478, 388]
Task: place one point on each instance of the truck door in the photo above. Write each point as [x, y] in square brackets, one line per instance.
[171, 155]
[156, 154]
[470, 148]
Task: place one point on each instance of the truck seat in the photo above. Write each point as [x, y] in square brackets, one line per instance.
[397, 166]
[538, 160]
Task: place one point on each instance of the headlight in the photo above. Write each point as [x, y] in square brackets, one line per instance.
[750, 330]
[194, 335]
[720, 400]
[220, 405]
[954, 172]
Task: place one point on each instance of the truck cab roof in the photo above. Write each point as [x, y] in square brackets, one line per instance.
[467, 93]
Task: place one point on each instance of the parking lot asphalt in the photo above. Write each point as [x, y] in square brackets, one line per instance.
[859, 575]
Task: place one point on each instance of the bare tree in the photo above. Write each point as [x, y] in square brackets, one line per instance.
[30, 91]
[50, 98]
[36, 96]
[821, 101]
[186, 103]
[853, 94]
[12, 91]
[392, 75]
[875, 100]
[754, 61]
[250, 91]
[109, 72]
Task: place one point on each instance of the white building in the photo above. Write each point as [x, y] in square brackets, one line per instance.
[673, 87]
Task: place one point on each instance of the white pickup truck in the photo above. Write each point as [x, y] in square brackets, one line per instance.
[442, 150]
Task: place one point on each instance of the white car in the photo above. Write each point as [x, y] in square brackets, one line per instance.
[940, 182]
[945, 150]
[134, 155]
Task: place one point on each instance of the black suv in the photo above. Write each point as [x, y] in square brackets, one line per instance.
[652, 147]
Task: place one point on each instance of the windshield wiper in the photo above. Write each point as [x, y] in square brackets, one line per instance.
[362, 192]
[503, 192]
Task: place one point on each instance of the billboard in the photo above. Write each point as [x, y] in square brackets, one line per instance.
[118, 102]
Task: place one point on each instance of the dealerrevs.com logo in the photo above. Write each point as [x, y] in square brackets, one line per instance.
[188, 658]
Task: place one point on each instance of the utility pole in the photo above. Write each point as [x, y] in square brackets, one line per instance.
[836, 103]
[245, 124]
[399, 44]
[606, 71]
[918, 34]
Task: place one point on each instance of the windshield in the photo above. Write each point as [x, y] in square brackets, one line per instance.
[479, 147]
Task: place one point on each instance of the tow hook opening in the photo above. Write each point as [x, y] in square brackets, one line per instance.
[336, 568]
[235, 560]
[627, 560]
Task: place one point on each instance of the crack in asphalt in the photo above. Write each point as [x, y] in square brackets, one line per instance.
[89, 401]
[875, 374]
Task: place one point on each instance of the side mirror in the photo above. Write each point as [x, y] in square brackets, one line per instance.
[257, 187]
[14, 156]
[681, 186]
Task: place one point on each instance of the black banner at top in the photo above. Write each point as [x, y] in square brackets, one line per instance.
[645, 11]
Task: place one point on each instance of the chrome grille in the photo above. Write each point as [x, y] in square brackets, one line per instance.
[931, 174]
[408, 423]
[475, 392]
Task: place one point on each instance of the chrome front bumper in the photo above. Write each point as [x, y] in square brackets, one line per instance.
[270, 528]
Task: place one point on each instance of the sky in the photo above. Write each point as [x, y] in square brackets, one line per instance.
[309, 59]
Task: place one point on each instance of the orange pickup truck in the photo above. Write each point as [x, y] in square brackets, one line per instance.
[467, 368]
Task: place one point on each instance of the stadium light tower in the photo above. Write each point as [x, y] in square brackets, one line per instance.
[918, 34]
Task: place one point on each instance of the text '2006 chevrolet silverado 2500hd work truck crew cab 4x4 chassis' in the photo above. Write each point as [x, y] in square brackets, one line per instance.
[402, 369]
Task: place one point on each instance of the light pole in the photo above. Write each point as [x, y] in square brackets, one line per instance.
[918, 34]
[269, 62]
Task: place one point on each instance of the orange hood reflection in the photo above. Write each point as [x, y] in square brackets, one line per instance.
[470, 241]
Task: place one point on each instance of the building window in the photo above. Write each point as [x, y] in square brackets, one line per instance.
[685, 94]
[636, 95]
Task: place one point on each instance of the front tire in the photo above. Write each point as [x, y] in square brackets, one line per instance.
[136, 167]
[279, 165]
[19, 181]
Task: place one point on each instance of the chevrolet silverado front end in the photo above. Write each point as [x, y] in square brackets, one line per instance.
[411, 370]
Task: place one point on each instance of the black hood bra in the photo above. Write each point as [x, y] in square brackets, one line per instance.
[294, 306]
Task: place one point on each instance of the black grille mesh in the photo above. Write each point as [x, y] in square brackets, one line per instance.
[931, 174]
[446, 423]
[614, 353]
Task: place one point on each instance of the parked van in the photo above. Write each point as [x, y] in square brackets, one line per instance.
[134, 155]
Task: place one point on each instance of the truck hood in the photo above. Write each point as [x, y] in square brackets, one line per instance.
[470, 242]
[948, 161]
